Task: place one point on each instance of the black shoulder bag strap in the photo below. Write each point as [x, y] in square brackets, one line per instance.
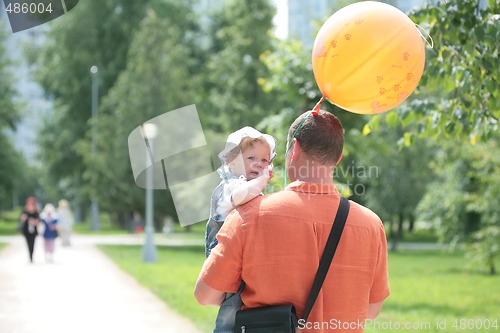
[326, 258]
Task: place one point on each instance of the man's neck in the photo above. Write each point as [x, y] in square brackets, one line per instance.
[316, 174]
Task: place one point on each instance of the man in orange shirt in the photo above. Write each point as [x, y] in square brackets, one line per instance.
[274, 243]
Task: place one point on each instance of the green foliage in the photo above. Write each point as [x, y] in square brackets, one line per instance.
[484, 248]
[291, 84]
[11, 161]
[457, 99]
[12, 166]
[395, 174]
[463, 201]
[458, 93]
[291, 80]
[159, 77]
[151, 59]
[458, 96]
[9, 115]
[96, 34]
[240, 34]
[9, 221]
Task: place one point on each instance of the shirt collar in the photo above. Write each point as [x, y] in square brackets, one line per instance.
[315, 188]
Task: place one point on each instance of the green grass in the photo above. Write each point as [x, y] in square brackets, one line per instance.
[106, 227]
[9, 221]
[431, 287]
[428, 287]
[420, 236]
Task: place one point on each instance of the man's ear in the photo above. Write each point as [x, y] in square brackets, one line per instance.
[295, 149]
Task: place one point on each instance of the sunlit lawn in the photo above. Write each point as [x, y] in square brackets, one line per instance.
[428, 287]
[106, 227]
[9, 222]
[438, 287]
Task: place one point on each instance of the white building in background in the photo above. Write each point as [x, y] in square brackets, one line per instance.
[305, 17]
[33, 105]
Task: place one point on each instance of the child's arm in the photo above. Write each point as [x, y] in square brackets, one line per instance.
[246, 191]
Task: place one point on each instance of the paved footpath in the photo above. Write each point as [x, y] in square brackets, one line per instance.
[82, 291]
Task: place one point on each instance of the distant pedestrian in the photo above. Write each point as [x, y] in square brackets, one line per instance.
[49, 220]
[30, 219]
[168, 225]
[65, 221]
[137, 222]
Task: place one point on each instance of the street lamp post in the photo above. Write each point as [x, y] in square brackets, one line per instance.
[149, 249]
[94, 206]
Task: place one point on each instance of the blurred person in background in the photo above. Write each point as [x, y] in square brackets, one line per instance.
[29, 221]
[65, 221]
[49, 220]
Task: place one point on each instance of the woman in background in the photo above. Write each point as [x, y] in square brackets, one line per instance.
[30, 219]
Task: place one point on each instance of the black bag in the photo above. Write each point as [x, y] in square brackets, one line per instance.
[283, 318]
[276, 319]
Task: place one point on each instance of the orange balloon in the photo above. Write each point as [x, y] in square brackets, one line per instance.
[368, 57]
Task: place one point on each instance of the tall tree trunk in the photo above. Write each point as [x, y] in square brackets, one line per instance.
[399, 234]
[411, 226]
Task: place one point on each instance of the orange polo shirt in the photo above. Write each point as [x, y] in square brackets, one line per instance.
[274, 243]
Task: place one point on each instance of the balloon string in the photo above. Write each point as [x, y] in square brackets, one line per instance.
[317, 107]
[431, 44]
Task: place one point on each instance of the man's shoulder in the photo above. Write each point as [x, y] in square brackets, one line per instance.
[271, 200]
[262, 203]
[364, 214]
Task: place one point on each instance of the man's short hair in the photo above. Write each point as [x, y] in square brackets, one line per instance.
[321, 136]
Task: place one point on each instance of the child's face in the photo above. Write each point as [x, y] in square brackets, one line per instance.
[253, 160]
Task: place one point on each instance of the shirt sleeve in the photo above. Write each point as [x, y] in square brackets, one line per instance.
[222, 269]
[380, 286]
[225, 204]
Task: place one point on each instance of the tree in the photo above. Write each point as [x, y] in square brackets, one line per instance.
[240, 33]
[458, 95]
[461, 102]
[11, 161]
[160, 76]
[462, 202]
[94, 34]
[393, 175]
[456, 101]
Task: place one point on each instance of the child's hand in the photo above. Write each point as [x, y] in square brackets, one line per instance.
[266, 174]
